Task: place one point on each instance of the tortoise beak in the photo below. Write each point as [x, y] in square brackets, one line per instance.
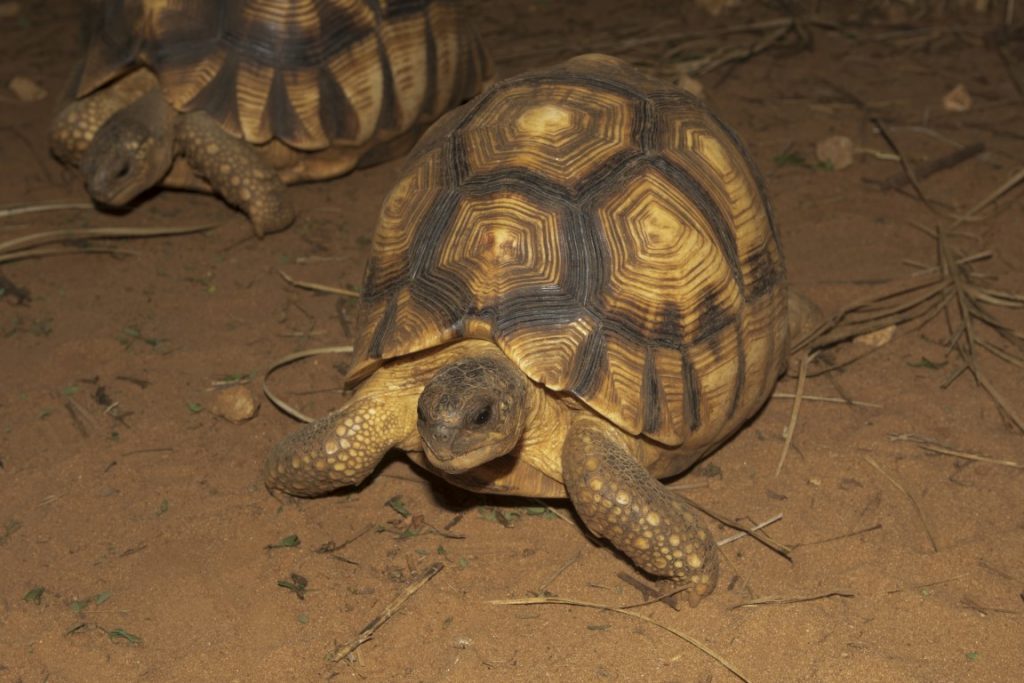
[438, 440]
[454, 462]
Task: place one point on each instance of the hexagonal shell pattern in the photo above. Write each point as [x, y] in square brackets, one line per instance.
[607, 232]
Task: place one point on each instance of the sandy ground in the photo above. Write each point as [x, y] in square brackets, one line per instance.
[137, 541]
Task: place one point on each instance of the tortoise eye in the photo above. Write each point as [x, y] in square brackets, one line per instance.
[483, 416]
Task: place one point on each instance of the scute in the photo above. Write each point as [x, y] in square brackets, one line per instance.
[607, 232]
[563, 131]
[310, 73]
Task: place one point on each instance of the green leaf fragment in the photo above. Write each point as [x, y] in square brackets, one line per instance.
[290, 541]
[396, 504]
[297, 585]
[790, 158]
[121, 633]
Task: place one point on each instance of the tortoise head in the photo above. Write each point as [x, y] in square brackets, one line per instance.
[130, 153]
[472, 411]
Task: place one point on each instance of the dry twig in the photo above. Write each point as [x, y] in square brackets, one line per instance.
[291, 358]
[913, 501]
[743, 534]
[805, 359]
[316, 287]
[934, 447]
[26, 246]
[952, 287]
[827, 399]
[21, 209]
[925, 170]
[789, 600]
[609, 608]
[343, 651]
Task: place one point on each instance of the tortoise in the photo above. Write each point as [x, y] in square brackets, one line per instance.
[242, 97]
[576, 288]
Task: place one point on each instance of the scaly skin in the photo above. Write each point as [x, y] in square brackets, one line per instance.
[75, 125]
[125, 137]
[612, 492]
[235, 171]
[619, 500]
[341, 449]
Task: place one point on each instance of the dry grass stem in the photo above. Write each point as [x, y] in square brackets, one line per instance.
[909, 172]
[609, 608]
[343, 651]
[827, 399]
[316, 287]
[650, 594]
[952, 287]
[753, 532]
[930, 584]
[42, 252]
[943, 163]
[17, 246]
[984, 610]
[82, 421]
[913, 501]
[805, 359]
[832, 539]
[744, 534]
[558, 572]
[940, 449]
[562, 516]
[1014, 180]
[286, 360]
[789, 600]
[21, 209]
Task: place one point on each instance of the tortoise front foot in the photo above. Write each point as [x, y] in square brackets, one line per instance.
[620, 501]
[236, 172]
[339, 450]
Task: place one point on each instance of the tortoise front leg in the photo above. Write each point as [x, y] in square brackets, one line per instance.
[235, 171]
[341, 449]
[77, 123]
[619, 500]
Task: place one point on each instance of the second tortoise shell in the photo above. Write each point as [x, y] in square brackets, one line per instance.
[309, 73]
[607, 232]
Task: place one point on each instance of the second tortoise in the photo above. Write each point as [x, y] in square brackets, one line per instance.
[242, 97]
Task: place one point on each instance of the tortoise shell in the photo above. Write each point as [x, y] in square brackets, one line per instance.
[309, 73]
[607, 232]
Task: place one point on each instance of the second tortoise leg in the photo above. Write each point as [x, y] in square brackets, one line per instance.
[77, 123]
[235, 171]
[619, 500]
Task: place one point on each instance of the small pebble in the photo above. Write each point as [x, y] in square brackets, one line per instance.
[836, 151]
[877, 338]
[26, 90]
[716, 7]
[957, 100]
[690, 84]
[235, 404]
